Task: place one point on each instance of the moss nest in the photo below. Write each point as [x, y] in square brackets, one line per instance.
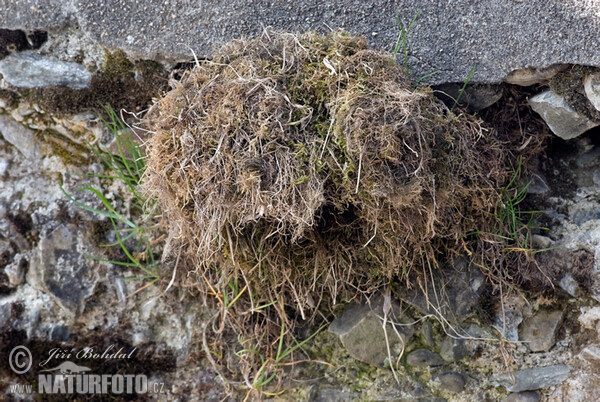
[307, 169]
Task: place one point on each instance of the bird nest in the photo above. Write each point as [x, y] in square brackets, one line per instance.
[295, 170]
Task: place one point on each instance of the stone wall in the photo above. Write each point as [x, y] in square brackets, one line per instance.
[59, 60]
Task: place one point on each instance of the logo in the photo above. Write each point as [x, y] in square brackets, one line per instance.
[67, 368]
[68, 378]
[20, 359]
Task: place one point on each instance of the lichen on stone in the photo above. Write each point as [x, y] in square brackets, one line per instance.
[569, 84]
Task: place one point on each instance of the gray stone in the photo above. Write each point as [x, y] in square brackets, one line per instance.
[560, 117]
[533, 379]
[569, 285]
[591, 87]
[539, 331]
[140, 337]
[527, 396]
[591, 353]
[476, 331]
[452, 349]
[507, 323]
[452, 382]
[425, 399]
[31, 70]
[448, 37]
[457, 289]
[584, 211]
[60, 269]
[537, 184]
[32, 322]
[596, 177]
[427, 333]
[59, 333]
[590, 318]
[6, 252]
[424, 358]
[15, 271]
[20, 137]
[5, 314]
[120, 290]
[331, 395]
[4, 247]
[360, 329]
[540, 241]
[474, 97]
[589, 159]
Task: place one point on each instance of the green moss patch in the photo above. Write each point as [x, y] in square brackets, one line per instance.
[69, 151]
[121, 83]
[569, 84]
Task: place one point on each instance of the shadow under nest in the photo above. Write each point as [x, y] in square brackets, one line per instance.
[297, 172]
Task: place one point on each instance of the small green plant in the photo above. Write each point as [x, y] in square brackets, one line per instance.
[270, 366]
[131, 233]
[401, 45]
[401, 41]
[516, 223]
[423, 77]
[514, 226]
[462, 89]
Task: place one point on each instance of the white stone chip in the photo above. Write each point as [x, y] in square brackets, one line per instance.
[560, 117]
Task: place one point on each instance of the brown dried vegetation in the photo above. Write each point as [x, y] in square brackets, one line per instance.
[300, 171]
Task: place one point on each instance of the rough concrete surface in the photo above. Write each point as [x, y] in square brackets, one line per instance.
[498, 36]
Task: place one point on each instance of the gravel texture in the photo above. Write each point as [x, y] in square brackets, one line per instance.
[498, 36]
